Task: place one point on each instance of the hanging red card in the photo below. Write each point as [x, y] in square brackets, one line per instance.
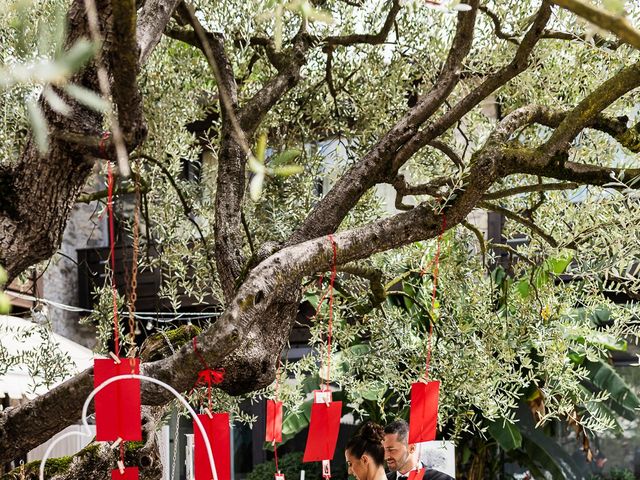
[118, 404]
[274, 421]
[130, 473]
[423, 416]
[416, 474]
[323, 431]
[219, 435]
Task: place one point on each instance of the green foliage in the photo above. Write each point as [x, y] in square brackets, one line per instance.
[616, 474]
[506, 434]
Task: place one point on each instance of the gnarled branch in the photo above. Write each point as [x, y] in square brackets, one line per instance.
[372, 39]
[616, 24]
[374, 166]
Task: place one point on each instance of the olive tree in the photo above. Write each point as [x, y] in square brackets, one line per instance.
[501, 106]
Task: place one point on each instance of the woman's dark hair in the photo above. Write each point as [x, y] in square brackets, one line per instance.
[368, 439]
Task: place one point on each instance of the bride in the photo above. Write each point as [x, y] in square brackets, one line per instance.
[365, 454]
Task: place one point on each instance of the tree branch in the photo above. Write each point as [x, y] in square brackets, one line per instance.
[542, 187]
[598, 40]
[518, 65]
[288, 76]
[374, 166]
[616, 127]
[527, 161]
[432, 188]
[616, 24]
[124, 70]
[448, 151]
[152, 20]
[497, 26]
[479, 236]
[371, 39]
[521, 220]
[588, 110]
[373, 275]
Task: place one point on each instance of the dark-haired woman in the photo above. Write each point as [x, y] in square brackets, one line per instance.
[365, 454]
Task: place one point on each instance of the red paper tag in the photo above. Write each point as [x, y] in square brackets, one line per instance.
[118, 404]
[274, 421]
[130, 473]
[279, 476]
[423, 416]
[219, 434]
[323, 431]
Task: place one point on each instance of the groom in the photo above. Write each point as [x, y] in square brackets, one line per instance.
[401, 457]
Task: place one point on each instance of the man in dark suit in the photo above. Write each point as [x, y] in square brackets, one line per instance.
[401, 457]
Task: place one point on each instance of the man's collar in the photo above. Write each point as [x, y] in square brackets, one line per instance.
[418, 466]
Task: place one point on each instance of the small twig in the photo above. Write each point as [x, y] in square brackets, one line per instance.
[598, 40]
[479, 236]
[522, 221]
[329, 79]
[497, 26]
[513, 251]
[544, 187]
[448, 151]
[372, 39]
[614, 23]
[225, 94]
[188, 209]
[247, 232]
[99, 195]
[373, 275]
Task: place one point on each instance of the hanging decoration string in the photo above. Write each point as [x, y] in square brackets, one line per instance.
[207, 376]
[134, 267]
[434, 273]
[329, 293]
[331, 298]
[112, 255]
[121, 454]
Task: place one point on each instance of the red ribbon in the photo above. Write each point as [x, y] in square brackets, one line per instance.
[208, 376]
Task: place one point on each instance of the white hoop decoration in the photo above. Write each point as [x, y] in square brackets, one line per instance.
[131, 376]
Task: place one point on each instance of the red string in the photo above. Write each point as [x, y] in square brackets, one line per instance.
[208, 376]
[435, 272]
[331, 281]
[112, 254]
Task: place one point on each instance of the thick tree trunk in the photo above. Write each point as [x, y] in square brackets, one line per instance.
[38, 191]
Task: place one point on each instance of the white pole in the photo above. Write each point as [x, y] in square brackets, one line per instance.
[132, 376]
[188, 461]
